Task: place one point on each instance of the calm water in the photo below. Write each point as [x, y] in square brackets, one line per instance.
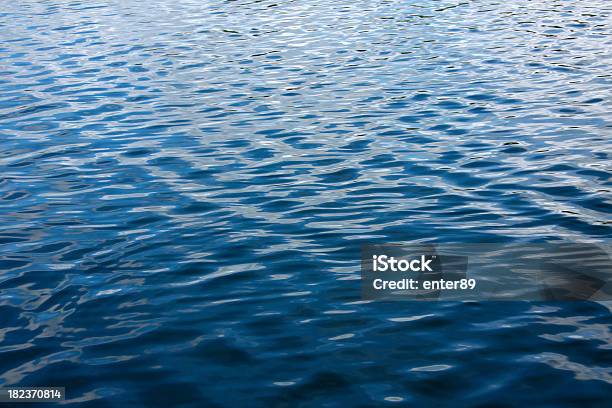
[184, 187]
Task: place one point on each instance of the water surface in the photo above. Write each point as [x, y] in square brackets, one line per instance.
[184, 187]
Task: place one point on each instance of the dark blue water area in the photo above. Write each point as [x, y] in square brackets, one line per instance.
[185, 186]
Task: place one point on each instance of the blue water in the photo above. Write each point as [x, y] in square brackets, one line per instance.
[185, 185]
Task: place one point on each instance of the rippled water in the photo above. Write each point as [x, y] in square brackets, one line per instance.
[184, 187]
